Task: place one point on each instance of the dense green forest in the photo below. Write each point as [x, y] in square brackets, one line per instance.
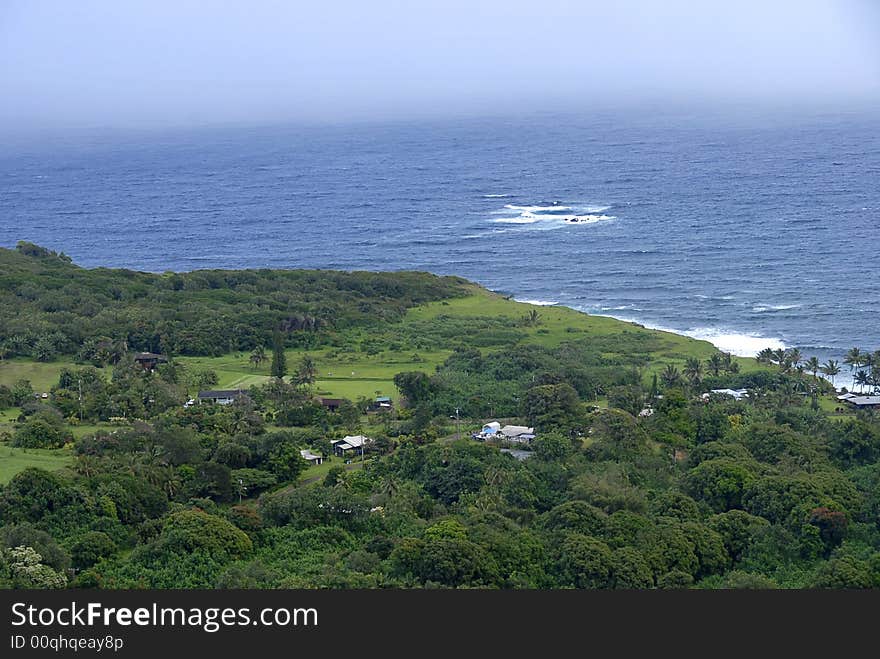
[637, 478]
[52, 308]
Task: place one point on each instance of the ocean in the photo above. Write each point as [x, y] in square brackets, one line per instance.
[745, 231]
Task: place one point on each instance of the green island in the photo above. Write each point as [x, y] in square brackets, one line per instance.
[322, 429]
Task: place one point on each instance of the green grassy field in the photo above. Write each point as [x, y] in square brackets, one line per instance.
[316, 473]
[42, 375]
[13, 460]
[350, 374]
[558, 324]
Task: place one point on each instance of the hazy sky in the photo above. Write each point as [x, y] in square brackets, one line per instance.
[175, 61]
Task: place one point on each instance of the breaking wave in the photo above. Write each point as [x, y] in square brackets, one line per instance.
[537, 303]
[741, 345]
[764, 308]
[556, 213]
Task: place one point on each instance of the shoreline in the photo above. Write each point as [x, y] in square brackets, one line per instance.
[739, 344]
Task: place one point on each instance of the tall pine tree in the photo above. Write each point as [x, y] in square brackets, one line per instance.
[279, 361]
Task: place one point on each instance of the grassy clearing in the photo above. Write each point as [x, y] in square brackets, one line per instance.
[557, 325]
[42, 375]
[14, 460]
[349, 373]
[316, 473]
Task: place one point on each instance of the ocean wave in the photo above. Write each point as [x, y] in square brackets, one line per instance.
[530, 218]
[537, 303]
[622, 307]
[763, 308]
[495, 196]
[527, 219]
[736, 343]
[537, 209]
[551, 216]
[587, 219]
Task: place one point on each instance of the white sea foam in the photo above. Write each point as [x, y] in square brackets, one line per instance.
[531, 218]
[535, 209]
[623, 307]
[494, 196]
[763, 308]
[587, 219]
[549, 217]
[741, 345]
[736, 343]
[537, 303]
[522, 219]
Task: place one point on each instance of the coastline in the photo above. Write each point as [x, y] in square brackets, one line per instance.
[739, 344]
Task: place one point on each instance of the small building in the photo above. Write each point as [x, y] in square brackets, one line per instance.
[381, 403]
[149, 360]
[222, 396]
[353, 443]
[311, 457]
[331, 404]
[491, 428]
[494, 430]
[522, 434]
[736, 394]
[864, 402]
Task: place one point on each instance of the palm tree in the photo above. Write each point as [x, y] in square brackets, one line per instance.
[307, 372]
[533, 318]
[862, 379]
[854, 358]
[766, 356]
[258, 356]
[670, 375]
[831, 368]
[170, 481]
[730, 365]
[87, 465]
[794, 357]
[390, 486]
[693, 370]
[813, 366]
[715, 363]
[780, 357]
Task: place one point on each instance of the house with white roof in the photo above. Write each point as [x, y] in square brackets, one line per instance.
[864, 402]
[311, 457]
[737, 394]
[355, 443]
[522, 434]
[494, 430]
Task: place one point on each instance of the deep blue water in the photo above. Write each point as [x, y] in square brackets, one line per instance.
[747, 232]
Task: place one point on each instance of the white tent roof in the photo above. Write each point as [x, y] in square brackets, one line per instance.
[515, 431]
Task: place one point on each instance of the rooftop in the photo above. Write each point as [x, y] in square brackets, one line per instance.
[351, 441]
[516, 431]
[145, 356]
[223, 393]
[864, 401]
